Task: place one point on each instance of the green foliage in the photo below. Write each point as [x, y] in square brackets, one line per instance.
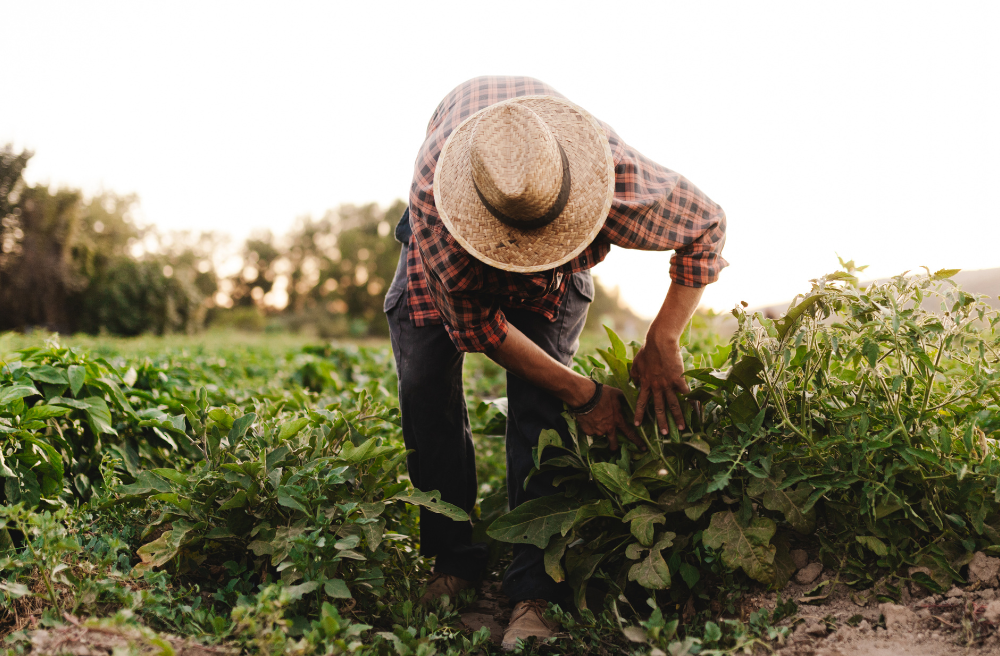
[309, 496]
[859, 417]
[254, 495]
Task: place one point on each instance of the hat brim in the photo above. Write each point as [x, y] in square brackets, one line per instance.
[592, 188]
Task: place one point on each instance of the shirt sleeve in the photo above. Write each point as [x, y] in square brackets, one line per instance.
[656, 209]
[473, 319]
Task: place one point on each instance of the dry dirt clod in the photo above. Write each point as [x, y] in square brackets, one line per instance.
[864, 626]
[954, 593]
[809, 573]
[799, 558]
[897, 618]
[983, 568]
[992, 612]
[815, 628]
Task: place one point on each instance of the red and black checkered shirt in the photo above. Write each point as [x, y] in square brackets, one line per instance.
[654, 209]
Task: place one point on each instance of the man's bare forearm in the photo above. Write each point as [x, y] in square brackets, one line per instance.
[658, 369]
[675, 313]
[520, 356]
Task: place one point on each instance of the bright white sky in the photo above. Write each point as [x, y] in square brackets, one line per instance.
[867, 129]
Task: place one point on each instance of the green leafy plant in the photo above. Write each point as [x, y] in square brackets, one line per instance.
[860, 418]
[313, 497]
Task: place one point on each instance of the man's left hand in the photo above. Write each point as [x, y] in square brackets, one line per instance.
[658, 372]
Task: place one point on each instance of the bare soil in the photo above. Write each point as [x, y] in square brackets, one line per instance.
[858, 623]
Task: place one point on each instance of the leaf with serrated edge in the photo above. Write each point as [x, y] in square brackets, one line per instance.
[748, 547]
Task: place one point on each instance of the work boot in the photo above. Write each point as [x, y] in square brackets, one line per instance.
[443, 584]
[528, 619]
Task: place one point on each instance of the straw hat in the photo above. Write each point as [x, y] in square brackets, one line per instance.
[526, 184]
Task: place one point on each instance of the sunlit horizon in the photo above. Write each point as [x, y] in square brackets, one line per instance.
[864, 131]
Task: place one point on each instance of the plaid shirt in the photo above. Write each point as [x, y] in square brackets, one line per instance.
[654, 209]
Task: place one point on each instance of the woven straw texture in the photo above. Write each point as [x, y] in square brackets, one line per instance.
[511, 135]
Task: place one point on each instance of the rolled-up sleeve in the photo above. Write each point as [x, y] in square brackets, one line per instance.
[656, 209]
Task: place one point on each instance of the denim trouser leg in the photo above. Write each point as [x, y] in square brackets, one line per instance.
[530, 411]
[436, 426]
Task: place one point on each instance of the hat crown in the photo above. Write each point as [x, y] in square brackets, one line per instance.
[516, 162]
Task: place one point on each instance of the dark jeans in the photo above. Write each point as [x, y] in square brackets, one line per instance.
[436, 427]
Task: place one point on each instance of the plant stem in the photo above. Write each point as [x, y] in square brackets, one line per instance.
[41, 566]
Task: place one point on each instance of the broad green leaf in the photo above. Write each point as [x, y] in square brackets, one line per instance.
[373, 530]
[76, 375]
[15, 590]
[45, 412]
[337, 589]
[369, 450]
[290, 428]
[240, 427]
[941, 274]
[690, 574]
[535, 521]
[286, 499]
[15, 392]
[554, 555]
[172, 475]
[580, 566]
[49, 454]
[5, 471]
[874, 544]
[786, 501]
[697, 510]
[146, 483]
[238, 500]
[432, 501]
[652, 572]
[99, 416]
[299, 591]
[156, 553]
[743, 408]
[48, 374]
[111, 387]
[616, 480]
[746, 372]
[276, 457]
[746, 547]
[792, 315]
[617, 345]
[643, 519]
[870, 351]
[174, 499]
[546, 438]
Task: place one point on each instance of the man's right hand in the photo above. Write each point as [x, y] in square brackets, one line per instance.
[608, 418]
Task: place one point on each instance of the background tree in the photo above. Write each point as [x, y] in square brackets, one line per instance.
[69, 264]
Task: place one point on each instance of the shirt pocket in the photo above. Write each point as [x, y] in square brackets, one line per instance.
[573, 313]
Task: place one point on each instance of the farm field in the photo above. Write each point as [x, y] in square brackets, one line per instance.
[837, 489]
